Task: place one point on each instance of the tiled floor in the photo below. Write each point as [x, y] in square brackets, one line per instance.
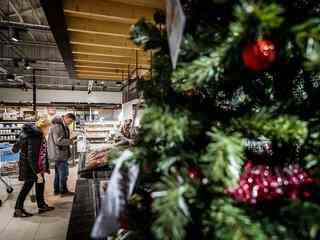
[49, 226]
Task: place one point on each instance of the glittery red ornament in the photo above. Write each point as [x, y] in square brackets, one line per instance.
[194, 173]
[262, 183]
[259, 55]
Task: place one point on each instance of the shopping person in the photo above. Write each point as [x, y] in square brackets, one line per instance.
[59, 142]
[33, 164]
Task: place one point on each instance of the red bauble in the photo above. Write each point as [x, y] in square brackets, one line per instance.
[194, 173]
[259, 55]
[124, 223]
[191, 93]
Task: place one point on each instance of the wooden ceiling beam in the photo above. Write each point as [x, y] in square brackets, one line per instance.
[101, 68]
[109, 64]
[159, 4]
[95, 77]
[100, 64]
[103, 73]
[112, 52]
[102, 58]
[101, 40]
[90, 26]
[103, 61]
[107, 10]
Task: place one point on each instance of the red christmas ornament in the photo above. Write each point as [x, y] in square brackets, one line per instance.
[262, 183]
[147, 168]
[194, 173]
[259, 55]
[191, 93]
[124, 223]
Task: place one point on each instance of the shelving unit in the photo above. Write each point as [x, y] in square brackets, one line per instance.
[96, 132]
[9, 130]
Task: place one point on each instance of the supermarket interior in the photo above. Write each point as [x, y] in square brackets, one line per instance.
[159, 119]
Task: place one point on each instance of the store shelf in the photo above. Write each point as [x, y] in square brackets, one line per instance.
[97, 130]
[16, 121]
[95, 137]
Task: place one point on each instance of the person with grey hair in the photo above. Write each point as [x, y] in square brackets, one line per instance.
[59, 142]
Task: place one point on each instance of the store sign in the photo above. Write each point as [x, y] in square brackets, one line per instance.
[176, 21]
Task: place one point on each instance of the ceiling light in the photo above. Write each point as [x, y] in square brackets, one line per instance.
[10, 77]
[27, 65]
[15, 36]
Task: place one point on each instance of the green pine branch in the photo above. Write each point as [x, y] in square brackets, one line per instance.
[230, 222]
[145, 34]
[283, 129]
[223, 159]
[172, 214]
[307, 36]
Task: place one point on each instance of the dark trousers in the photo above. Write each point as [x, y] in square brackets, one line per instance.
[26, 188]
[61, 177]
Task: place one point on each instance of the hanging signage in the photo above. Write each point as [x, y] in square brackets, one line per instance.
[176, 21]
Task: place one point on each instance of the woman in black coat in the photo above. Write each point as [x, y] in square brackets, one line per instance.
[33, 164]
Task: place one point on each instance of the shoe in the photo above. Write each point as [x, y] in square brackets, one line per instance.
[56, 193]
[45, 208]
[21, 213]
[67, 194]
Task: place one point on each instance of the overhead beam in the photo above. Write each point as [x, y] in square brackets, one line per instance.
[3, 15]
[42, 75]
[109, 52]
[76, 24]
[107, 10]
[101, 40]
[20, 17]
[38, 60]
[15, 11]
[159, 4]
[94, 77]
[105, 72]
[104, 58]
[24, 11]
[106, 61]
[23, 25]
[102, 68]
[97, 64]
[35, 15]
[56, 20]
[41, 44]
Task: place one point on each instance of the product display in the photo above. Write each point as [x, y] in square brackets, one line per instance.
[97, 132]
[10, 130]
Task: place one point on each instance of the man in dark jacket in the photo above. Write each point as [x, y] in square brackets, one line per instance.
[59, 142]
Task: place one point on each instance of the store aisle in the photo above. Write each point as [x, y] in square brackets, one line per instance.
[49, 226]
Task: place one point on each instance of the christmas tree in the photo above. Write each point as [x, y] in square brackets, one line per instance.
[229, 145]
